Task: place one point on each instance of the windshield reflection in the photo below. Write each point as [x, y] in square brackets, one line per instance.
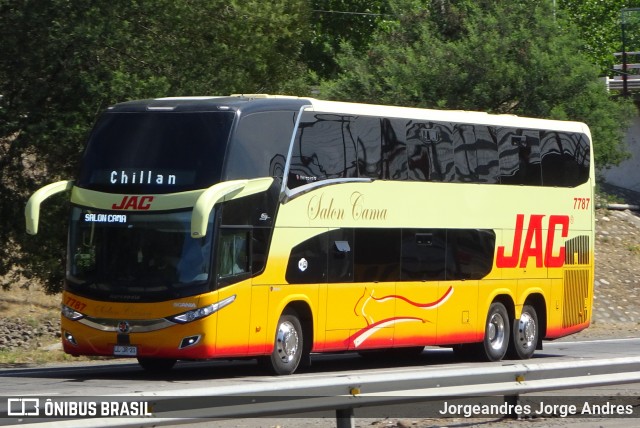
[136, 253]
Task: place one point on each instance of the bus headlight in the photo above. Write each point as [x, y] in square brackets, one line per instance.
[70, 313]
[202, 312]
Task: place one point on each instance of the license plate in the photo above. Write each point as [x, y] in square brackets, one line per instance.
[125, 350]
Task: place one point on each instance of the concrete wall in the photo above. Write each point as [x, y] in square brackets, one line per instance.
[627, 174]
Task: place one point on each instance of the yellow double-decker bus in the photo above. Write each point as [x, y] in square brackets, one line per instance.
[276, 227]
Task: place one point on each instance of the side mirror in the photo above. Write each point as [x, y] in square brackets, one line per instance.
[32, 210]
[223, 192]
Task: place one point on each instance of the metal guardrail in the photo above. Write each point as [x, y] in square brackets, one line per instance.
[287, 395]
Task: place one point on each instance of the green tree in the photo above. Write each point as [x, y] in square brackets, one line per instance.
[64, 61]
[337, 21]
[599, 25]
[511, 57]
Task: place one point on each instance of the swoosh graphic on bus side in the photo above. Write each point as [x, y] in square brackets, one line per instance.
[362, 335]
[429, 305]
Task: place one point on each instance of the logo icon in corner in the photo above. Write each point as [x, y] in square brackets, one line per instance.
[23, 407]
[124, 327]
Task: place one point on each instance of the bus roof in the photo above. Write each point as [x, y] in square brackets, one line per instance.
[248, 103]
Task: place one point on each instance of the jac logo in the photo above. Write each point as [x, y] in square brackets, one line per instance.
[134, 203]
[533, 246]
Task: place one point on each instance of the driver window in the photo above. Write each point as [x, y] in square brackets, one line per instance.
[233, 254]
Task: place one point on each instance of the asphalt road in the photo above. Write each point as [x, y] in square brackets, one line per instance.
[123, 376]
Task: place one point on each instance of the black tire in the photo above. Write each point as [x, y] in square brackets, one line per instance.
[156, 365]
[525, 334]
[288, 345]
[497, 333]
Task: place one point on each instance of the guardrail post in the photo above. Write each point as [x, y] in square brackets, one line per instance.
[513, 401]
[344, 418]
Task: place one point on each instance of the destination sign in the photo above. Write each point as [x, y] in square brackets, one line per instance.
[105, 218]
[130, 176]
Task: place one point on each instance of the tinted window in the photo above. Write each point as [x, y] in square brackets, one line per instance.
[141, 256]
[368, 133]
[430, 151]
[469, 253]
[155, 152]
[253, 210]
[341, 249]
[423, 254]
[377, 255]
[519, 153]
[565, 159]
[260, 238]
[233, 253]
[394, 149]
[308, 261]
[475, 154]
[260, 145]
[323, 149]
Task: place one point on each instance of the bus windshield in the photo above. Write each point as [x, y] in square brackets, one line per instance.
[155, 152]
[137, 256]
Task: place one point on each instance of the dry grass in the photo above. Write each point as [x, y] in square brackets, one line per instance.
[22, 358]
[33, 307]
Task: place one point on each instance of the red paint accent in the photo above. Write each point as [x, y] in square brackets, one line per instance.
[511, 261]
[534, 232]
[551, 260]
[416, 304]
[558, 331]
[458, 337]
[532, 247]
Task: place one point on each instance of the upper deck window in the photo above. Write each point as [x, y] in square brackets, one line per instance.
[260, 144]
[155, 152]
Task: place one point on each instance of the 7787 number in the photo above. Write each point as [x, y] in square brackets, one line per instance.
[581, 203]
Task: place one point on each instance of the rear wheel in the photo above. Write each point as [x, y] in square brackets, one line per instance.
[156, 365]
[288, 345]
[525, 334]
[496, 334]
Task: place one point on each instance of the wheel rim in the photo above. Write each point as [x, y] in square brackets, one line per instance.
[526, 330]
[287, 342]
[496, 329]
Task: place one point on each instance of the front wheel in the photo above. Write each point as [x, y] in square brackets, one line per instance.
[496, 334]
[288, 345]
[525, 334]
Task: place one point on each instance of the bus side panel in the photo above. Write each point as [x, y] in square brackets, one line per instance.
[367, 310]
[232, 338]
[554, 307]
[359, 316]
[458, 319]
[259, 339]
[418, 307]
